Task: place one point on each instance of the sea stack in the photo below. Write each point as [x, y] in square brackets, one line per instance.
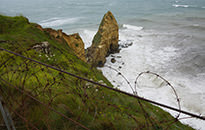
[105, 41]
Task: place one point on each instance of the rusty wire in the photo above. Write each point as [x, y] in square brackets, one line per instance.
[120, 74]
[168, 83]
[35, 99]
[110, 88]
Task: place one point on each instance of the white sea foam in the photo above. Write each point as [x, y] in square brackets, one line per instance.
[184, 6]
[87, 36]
[132, 27]
[53, 22]
[162, 53]
[49, 20]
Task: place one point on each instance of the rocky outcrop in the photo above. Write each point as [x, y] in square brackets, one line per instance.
[74, 41]
[43, 47]
[105, 41]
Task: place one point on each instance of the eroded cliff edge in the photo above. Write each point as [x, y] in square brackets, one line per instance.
[104, 42]
[74, 41]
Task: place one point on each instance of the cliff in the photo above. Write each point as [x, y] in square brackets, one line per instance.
[78, 101]
[105, 41]
[74, 41]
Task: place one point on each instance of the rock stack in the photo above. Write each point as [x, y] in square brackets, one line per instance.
[105, 41]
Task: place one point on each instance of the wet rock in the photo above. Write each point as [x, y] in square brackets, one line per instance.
[112, 56]
[119, 57]
[113, 60]
[125, 44]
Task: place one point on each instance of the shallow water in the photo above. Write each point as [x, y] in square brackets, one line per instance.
[167, 36]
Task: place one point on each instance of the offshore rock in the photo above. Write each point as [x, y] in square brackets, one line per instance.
[105, 41]
[113, 60]
[74, 41]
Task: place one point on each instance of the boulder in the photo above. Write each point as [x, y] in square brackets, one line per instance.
[113, 60]
[105, 41]
[43, 47]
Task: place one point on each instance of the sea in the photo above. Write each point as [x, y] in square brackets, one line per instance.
[166, 37]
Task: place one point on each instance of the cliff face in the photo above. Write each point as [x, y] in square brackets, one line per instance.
[74, 41]
[104, 42]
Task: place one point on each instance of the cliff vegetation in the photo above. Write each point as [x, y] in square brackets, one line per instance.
[92, 106]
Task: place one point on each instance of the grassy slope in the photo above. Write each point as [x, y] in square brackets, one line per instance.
[92, 106]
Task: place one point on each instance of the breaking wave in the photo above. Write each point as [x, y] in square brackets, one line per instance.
[53, 22]
[132, 27]
[196, 27]
[183, 6]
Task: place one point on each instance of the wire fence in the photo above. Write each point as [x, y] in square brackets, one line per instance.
[24, 87]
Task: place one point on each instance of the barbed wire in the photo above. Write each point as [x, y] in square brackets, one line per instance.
[122, 75]
[105, 86]
[49, 107]
[145, 114]
[167, 82]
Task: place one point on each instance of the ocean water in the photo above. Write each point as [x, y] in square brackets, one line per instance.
[167, 36]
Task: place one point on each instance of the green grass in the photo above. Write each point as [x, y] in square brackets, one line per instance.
[93, 106]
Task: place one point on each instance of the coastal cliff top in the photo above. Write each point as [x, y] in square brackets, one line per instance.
[90, 105]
